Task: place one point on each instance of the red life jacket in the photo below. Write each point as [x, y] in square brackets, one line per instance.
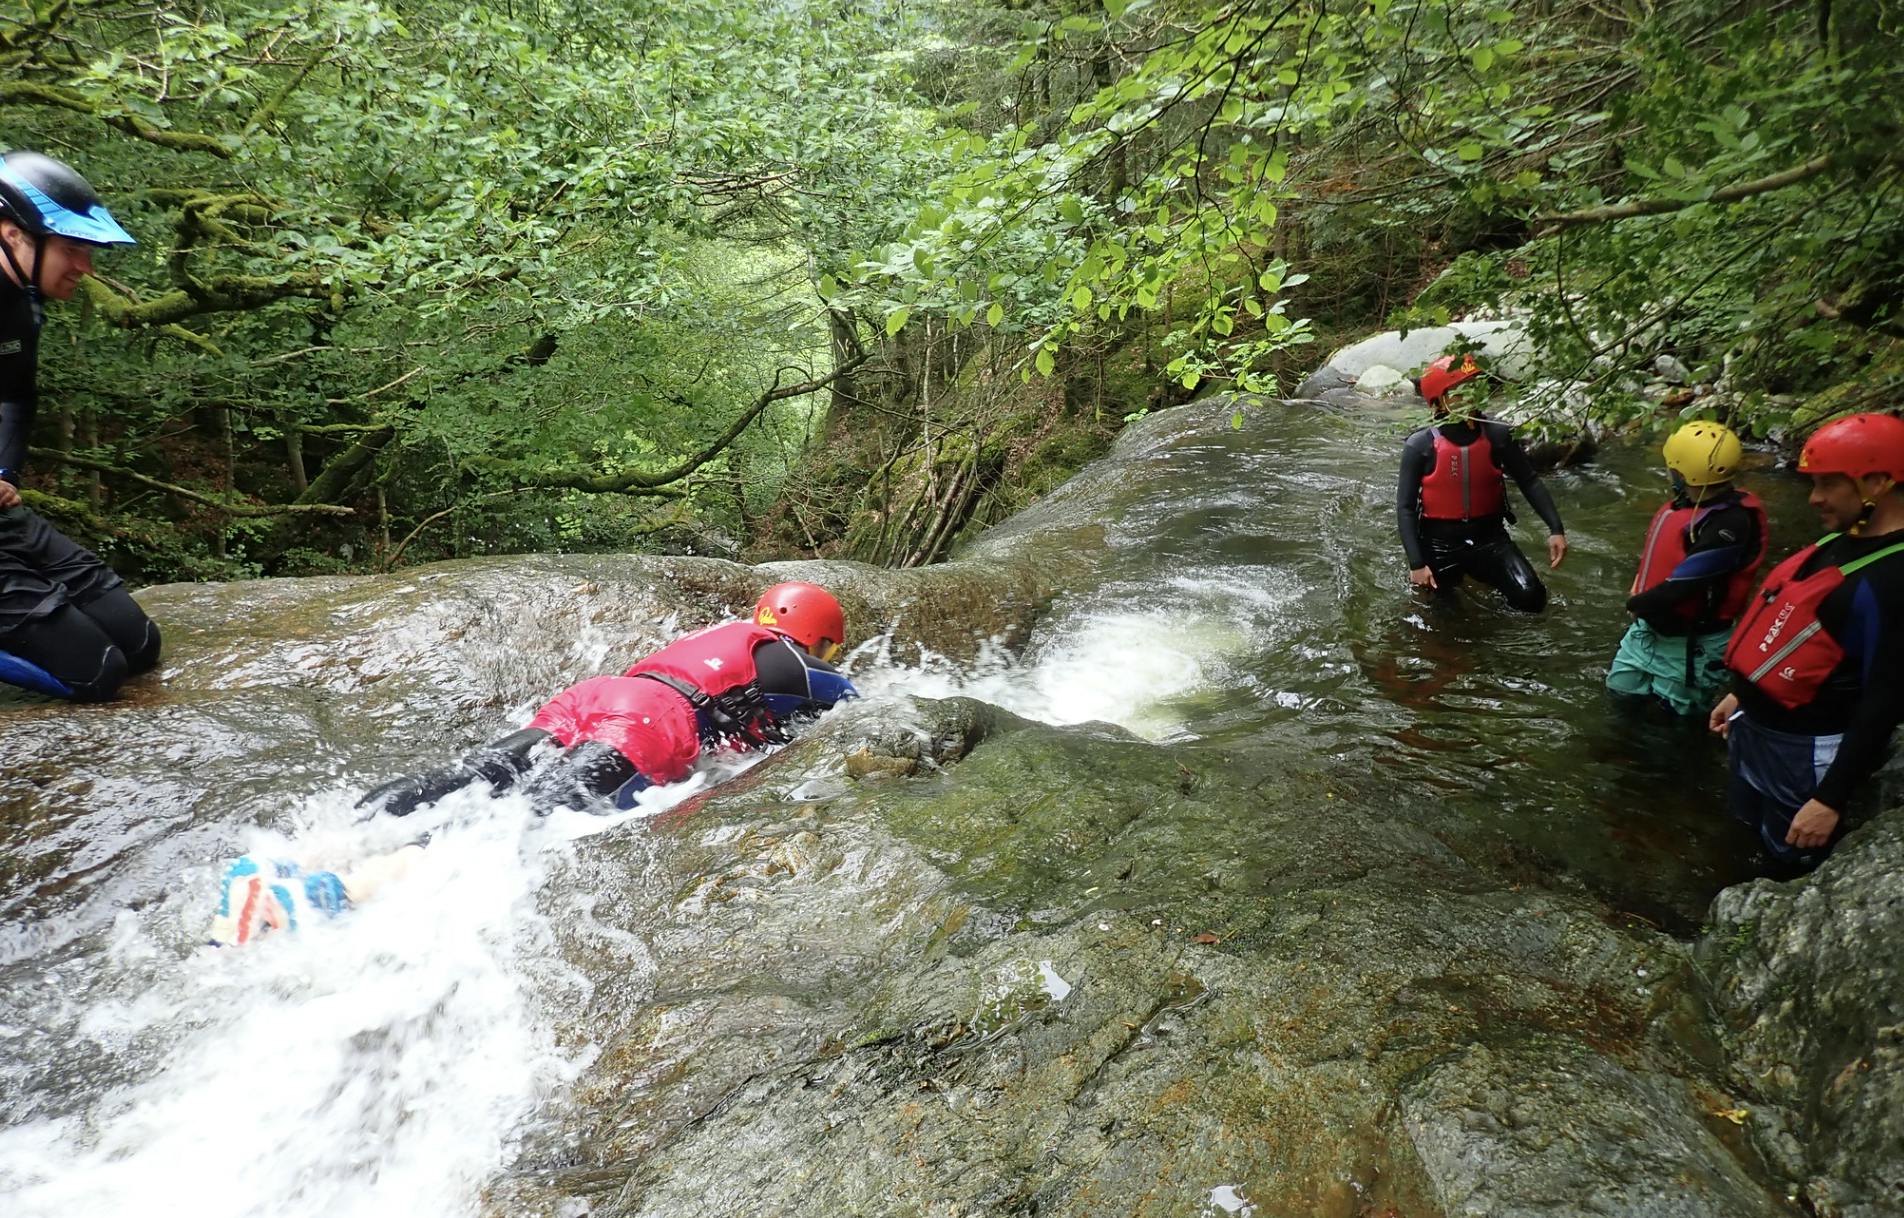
[1466, 481]
[718, 664]
[1779, 645]
[653, 728]
[1667, 540]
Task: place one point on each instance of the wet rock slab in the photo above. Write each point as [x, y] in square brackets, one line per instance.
[1062, 971]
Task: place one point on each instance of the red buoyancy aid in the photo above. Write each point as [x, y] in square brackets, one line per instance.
[650, 725]
[1779, 645]
[1466, 481]
[719, 662]
[714, 660]
[1668, 538]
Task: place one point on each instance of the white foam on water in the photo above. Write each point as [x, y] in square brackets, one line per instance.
[382, 1062]
[1100, 661]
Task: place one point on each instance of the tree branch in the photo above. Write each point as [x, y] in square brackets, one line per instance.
[230, 509]
[221, 294]
[32, 93]
[1553, 223]
[639, 483]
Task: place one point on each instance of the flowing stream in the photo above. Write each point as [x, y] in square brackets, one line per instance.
[1239, 598]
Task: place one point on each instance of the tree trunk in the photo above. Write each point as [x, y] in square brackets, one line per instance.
[294, 458]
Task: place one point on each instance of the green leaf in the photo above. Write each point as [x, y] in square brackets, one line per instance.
[896, 321]
[1081, 298]
[995, 314]
[1071, 209]
[1191, 378]
[1236, 421]
[829, 287]
[1044, 361]
[1469, 151]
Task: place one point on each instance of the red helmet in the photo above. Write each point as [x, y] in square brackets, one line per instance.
[806, 613]
[1856, 445]
[1445, 373]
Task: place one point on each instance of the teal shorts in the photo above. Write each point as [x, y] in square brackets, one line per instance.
[1651, 664]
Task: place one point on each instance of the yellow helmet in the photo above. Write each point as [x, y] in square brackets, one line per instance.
[1703, 453]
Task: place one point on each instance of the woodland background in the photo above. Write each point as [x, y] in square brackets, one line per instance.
[769, 277]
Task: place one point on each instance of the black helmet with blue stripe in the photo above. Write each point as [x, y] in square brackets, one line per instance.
[48, 198]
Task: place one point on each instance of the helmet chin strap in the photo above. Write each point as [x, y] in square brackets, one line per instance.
[29, 283]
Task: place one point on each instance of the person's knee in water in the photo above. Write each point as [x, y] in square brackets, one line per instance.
[1451, 499]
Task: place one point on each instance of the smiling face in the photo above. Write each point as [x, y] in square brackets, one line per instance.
[63, 262]
[1839, 499]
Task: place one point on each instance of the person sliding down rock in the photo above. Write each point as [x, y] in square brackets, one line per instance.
[1700, 560]
[68, 627]
[1817, 657]
[1451, 502]
[735, 685]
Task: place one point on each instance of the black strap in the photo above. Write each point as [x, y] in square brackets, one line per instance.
[698, 698]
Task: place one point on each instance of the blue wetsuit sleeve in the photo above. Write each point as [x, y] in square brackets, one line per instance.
[1722, 543]
[1879, 655]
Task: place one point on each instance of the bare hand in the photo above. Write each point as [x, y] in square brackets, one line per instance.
[9, 495]
[1720, 720]
[1556, 549]
[1812, 826]
[1423, 577]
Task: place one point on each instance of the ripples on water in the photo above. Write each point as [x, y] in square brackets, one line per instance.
[1250, 600]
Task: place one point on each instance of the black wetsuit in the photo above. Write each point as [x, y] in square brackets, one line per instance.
[1479, 546]
[60, 607]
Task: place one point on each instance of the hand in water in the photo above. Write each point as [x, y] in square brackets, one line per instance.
[1423, 577]
[1556, 549]
[1812, 826]
[9, 495]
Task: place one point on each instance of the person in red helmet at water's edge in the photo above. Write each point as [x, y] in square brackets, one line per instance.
[1817, 656]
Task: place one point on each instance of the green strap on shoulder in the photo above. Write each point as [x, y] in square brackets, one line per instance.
[1868, 559]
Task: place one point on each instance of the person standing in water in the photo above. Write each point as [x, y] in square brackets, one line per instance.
[1698, 566]
[1451, 501]
[1817, 657]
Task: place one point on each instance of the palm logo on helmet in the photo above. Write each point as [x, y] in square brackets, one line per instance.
[1445, 373]
[806, 613]
[1703, 453]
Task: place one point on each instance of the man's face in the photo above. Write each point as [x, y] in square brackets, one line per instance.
[63, 263]
[1839, 500]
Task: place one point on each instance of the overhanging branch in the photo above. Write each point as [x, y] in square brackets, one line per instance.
[32, 93]
[1553, 223]
[639, 483]
[230, 509]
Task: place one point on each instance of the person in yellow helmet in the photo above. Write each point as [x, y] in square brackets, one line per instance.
[1698, 564]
